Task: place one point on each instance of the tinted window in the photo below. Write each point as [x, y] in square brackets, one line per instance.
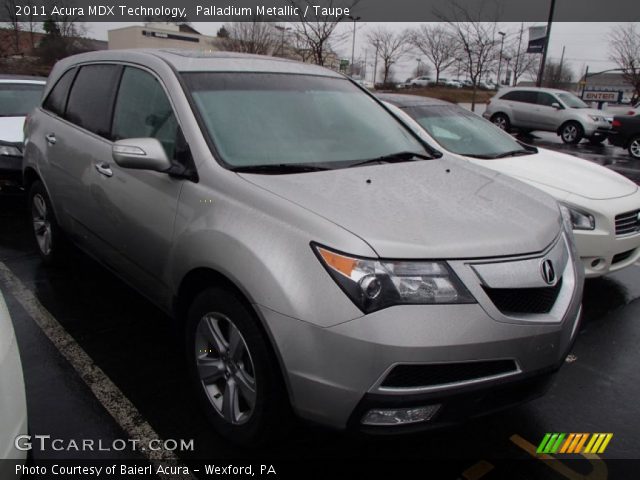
[18, 99]
[57, 98]
[279, 119]
[546, 99]
[520, 96]
[91, 99]
[143, 110]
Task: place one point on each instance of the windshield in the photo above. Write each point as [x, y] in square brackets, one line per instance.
[463, 132]
[18, 99]
[571, 100]
[265, 119]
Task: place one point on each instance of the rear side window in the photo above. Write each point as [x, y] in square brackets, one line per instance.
[521, 96]
[143, 110]
[57, 98]
[91, 99]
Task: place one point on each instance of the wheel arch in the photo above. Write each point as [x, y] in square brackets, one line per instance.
[200, 278]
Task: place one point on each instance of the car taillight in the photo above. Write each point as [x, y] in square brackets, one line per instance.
[616, 123]
[631, 112]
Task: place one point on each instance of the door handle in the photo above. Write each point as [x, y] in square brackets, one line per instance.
[104, 169]
[51, 139]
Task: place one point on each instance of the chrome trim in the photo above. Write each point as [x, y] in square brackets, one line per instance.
[377, 388]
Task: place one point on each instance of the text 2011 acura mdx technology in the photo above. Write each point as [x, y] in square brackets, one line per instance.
[318, 255]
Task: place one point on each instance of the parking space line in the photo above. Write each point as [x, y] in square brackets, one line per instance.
[108, 394]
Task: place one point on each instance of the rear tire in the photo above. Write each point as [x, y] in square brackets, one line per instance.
[501, 121]
[47, 234]
[634, 147]
[571, 133]
[233, 370]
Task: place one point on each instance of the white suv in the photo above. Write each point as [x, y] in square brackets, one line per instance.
[549, 110]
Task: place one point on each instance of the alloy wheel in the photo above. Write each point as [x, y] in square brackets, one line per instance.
[41, 223]
[500, 122]
[225, 368]
[634, 148]
[570, 133]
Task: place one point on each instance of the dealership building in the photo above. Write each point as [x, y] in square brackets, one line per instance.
[160, 35]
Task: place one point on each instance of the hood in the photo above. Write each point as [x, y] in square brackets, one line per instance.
[592, 111]
[443, 208]
[566, 173]
[11, 129]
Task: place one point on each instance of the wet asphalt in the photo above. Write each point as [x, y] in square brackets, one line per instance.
[135, 346]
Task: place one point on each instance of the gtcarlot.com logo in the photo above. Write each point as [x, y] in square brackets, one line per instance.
[574, 443]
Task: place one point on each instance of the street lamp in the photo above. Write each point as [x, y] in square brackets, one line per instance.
[353, 42]
[507, 75]
[502, 34]
[419, 71]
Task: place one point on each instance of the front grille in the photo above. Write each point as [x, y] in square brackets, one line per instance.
[524, 300]
[621, 257]
[628, 223]
[413, 376]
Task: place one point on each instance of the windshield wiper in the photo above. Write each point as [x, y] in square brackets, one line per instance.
[280, 168]
[393, 158]
[513, 153]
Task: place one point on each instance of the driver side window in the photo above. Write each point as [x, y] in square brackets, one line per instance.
[143, 110]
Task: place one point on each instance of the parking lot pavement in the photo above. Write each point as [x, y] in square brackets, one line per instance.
[134, 347]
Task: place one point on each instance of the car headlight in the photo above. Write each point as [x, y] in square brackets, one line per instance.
[596, 118]
[580, 220]
[376, 284]
[10, 151]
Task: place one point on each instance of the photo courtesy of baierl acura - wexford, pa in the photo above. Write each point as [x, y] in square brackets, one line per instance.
[320, 259]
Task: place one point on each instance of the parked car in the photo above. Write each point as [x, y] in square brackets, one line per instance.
[604, 205]
[454, 83]
[13, 406]
[315, 251]
[625, 133]
[18, 96]
[551, 110]
[422, 81]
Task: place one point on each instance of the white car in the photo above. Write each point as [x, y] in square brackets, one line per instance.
[18, 96]
[422, 81]
[13, 406]
[605, 206]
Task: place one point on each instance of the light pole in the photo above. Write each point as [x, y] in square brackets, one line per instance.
[353, 42]
[546, 44]
[419, 71]
[502, 34]
[507, 75]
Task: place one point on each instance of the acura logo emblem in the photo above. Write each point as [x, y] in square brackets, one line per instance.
[548, 273]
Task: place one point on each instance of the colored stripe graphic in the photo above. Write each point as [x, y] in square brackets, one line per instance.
[574, 442]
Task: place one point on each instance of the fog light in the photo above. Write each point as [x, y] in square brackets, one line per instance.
[400, 416]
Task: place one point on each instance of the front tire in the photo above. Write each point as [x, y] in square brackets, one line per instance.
[47, 233]
[233, 370]
[571, 133]
[634, 147]
[501, 121]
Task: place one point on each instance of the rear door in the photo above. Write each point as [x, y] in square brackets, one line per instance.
[521, 104]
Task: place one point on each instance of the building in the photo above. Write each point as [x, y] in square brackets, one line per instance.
[160, 35]
[610, 82]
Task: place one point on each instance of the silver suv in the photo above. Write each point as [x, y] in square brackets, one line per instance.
[551, 110]
[317, 255]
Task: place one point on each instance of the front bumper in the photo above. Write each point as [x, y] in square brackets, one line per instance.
[334, 374]
[601, 250]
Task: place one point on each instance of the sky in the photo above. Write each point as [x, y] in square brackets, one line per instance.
[586, 44]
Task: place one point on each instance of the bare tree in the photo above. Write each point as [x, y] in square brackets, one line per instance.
[437, 43]
[63, 36]
[391, 47]
[318, 30]
[624, 42]
[249, 37]
[557, 75]
[14, 22]
[476, 40]
[521, 62]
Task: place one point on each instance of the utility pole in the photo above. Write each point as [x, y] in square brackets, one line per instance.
[502, 34]
[546, 44]
[375, 66]
[353, 42]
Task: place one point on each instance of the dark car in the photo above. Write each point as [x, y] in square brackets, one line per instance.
[18, 96]
[625, 133]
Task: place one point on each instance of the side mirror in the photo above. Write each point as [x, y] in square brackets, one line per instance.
[141, 154]
[556, 105]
